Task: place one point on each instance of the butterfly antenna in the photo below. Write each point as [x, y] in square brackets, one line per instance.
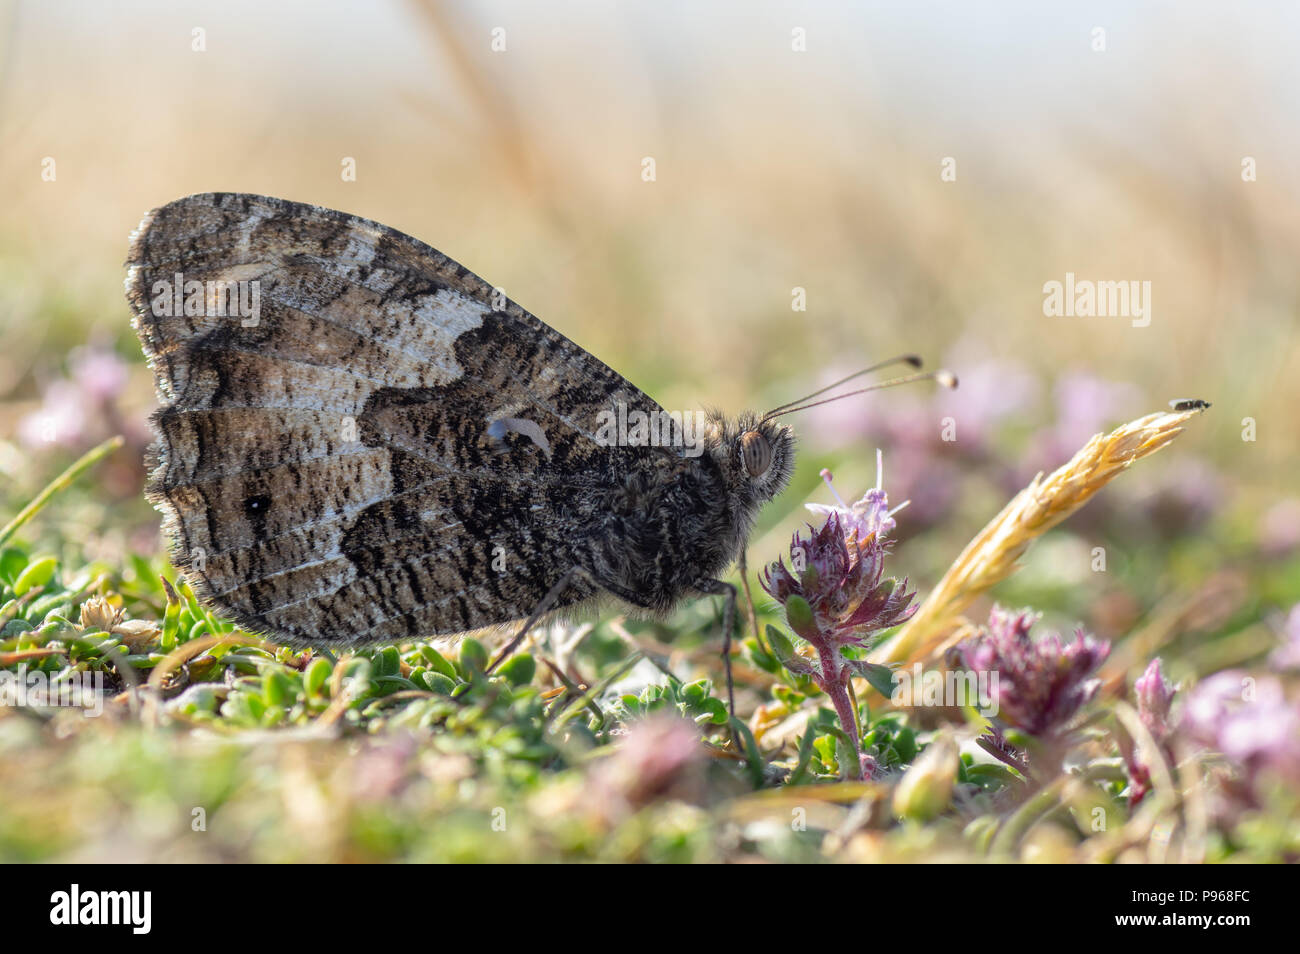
[941, 375]
[912, 359]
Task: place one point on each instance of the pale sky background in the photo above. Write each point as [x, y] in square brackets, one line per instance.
[775, 169]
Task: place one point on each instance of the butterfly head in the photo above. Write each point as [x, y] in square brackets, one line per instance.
[756, 457]
[757, 454]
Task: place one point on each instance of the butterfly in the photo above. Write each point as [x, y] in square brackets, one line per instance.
[361, 441]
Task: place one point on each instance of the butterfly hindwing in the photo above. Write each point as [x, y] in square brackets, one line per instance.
[385, 450]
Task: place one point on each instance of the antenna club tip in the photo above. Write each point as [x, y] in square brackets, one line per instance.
[913, 359]
[946, 379]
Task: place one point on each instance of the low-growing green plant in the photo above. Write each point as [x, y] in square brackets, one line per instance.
[207, 742]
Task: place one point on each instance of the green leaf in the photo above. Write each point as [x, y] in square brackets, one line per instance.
[12, 561]
[439, 683]
[386, 684]
[800, 617]
[881, 678]
[905, 744]
[714, 711]
[764, 661]
[16, 626]
[388, 662]
[783, 648]
[824, 745]
[277, 690]
[519, 669]
[805, 756]
[694, 693]
[844, 756]
[316, 675]
[809, 578]
[237, 708]
[40, 608]
[200, 698]
[438, 661]
[37, 574]
[988, 775]
[753, 757]
[171, 618]
[473, 658]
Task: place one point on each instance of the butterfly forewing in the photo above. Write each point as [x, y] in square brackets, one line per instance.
[384, 449]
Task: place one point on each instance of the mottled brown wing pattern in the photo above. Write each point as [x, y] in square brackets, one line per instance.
[332, 472]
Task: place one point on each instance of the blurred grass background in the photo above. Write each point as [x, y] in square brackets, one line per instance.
[775, 169]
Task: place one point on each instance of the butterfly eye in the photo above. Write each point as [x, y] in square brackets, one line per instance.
[756, 452]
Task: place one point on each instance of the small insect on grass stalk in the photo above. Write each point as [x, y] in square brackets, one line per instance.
[994, 553]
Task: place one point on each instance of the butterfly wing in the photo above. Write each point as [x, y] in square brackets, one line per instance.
[358, 442]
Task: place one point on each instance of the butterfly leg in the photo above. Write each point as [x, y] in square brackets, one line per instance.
[743, 566]
[542, 609]
[719, 588]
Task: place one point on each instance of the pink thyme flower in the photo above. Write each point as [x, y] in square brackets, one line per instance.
[660, 756]
[1279, 529]
[99, 372]
[62, 419]
[1042, 684]
[77, 409]
[1154, 698]
[1287, 656]
[842, 583]
[1155, 695]
[839, 572]
[1249, 719]
[835, 596]
[868, 516]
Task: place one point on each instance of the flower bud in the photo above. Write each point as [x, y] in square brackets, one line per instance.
[926, 788]
[800, 616]
[98, 613]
